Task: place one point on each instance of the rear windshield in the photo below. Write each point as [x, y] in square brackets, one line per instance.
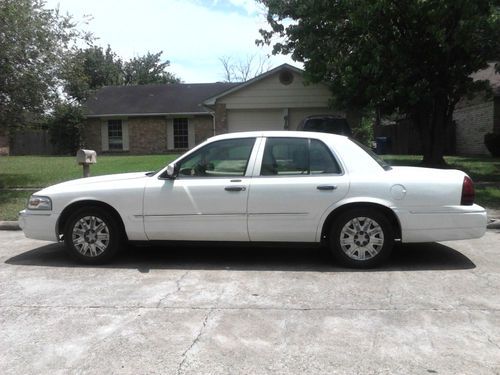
[373, 155]
[328, 125]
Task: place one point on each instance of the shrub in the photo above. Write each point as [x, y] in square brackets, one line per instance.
[492, 143]
[65, 128]
[364, 131]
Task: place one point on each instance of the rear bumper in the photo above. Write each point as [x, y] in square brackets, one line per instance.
[443, 224]
[39, 226]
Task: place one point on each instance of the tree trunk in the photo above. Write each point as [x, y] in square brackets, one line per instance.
[432, 123]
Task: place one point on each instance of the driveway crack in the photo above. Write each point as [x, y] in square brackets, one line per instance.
[484, 332]
[195, 341]
[178, 288]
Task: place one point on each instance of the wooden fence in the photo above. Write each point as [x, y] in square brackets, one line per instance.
[31, 142]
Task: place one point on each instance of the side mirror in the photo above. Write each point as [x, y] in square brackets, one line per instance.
[172, 171]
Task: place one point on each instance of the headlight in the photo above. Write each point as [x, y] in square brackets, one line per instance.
[37, 202]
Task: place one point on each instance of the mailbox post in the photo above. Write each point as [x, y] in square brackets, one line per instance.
[85, 158]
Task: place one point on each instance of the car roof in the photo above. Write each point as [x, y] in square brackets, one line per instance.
[282, 133]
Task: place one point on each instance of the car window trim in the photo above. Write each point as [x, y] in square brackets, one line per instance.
[260, 156]
[244, 175]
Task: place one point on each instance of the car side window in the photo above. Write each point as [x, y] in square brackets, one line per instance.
[321, 159]
[297, 156]
[228, 158]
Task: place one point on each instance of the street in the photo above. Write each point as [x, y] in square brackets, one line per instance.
[432, 309]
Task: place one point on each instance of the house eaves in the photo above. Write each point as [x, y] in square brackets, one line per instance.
[166, 114]
[210, 102]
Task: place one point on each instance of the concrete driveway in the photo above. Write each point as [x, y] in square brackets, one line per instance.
[434, 309]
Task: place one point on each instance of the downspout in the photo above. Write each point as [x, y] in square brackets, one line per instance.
[213, 122]
[212, 113]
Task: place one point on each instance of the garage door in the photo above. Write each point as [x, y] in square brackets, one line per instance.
[248, 120]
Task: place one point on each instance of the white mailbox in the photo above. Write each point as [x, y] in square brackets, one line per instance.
[86, 157]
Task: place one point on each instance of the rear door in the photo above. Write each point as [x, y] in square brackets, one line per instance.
[295, 181]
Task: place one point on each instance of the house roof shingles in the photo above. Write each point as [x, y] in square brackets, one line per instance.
[176, 98]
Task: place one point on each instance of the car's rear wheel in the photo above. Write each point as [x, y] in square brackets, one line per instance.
[92, 235]
[361, 238]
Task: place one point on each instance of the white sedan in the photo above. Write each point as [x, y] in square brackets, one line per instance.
[262, 187]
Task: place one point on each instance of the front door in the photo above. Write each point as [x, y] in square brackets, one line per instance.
[207, 200]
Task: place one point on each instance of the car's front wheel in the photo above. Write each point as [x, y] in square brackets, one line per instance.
[92, 235]
[361, 238]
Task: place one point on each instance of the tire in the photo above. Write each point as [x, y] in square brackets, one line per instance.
[92, 236]
[361, 238]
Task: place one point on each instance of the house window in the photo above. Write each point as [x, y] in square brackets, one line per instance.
[181, 134]
[115, 135]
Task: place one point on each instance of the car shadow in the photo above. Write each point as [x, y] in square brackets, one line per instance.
[411, 257]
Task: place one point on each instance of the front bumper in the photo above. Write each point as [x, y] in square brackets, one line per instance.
[39, 225]
[443, 224]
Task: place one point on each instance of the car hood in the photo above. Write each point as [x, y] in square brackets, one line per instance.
[90, 182]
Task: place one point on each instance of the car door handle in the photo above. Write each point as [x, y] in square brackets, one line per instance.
[326, 187]
[235, 188]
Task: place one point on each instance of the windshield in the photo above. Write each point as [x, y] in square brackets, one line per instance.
[373, 155]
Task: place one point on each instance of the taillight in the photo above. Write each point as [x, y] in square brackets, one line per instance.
[468, 193]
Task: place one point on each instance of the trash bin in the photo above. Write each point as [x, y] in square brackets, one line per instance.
[382, 145]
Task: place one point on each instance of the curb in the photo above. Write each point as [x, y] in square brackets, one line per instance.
[493, 224]
[9, 225]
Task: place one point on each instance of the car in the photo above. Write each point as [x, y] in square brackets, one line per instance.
[262, 187]
[326, 124]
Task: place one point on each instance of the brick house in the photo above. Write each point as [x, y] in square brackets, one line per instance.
[472, 119]
[152, 119]
[478, 116]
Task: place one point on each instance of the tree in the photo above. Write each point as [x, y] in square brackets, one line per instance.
[244, 69]
[397, 56]
[64, 124]
[33, 44]
[148, 69]
[90, 69]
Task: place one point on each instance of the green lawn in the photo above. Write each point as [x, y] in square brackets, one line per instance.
[11, 202]
[41, 171]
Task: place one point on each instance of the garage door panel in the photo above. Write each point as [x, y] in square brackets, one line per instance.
[244, 120]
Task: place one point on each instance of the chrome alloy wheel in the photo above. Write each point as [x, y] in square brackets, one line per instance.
[361, 238]
[90, 236]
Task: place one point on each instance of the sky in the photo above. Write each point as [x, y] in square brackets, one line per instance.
[193, 34]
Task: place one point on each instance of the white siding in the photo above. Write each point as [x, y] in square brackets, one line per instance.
[271, 93]
[104, 136]
[170, 133]
[191, 135]
[248, 120]
[125, 138]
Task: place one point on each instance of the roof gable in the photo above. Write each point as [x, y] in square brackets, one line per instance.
[211, 101]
